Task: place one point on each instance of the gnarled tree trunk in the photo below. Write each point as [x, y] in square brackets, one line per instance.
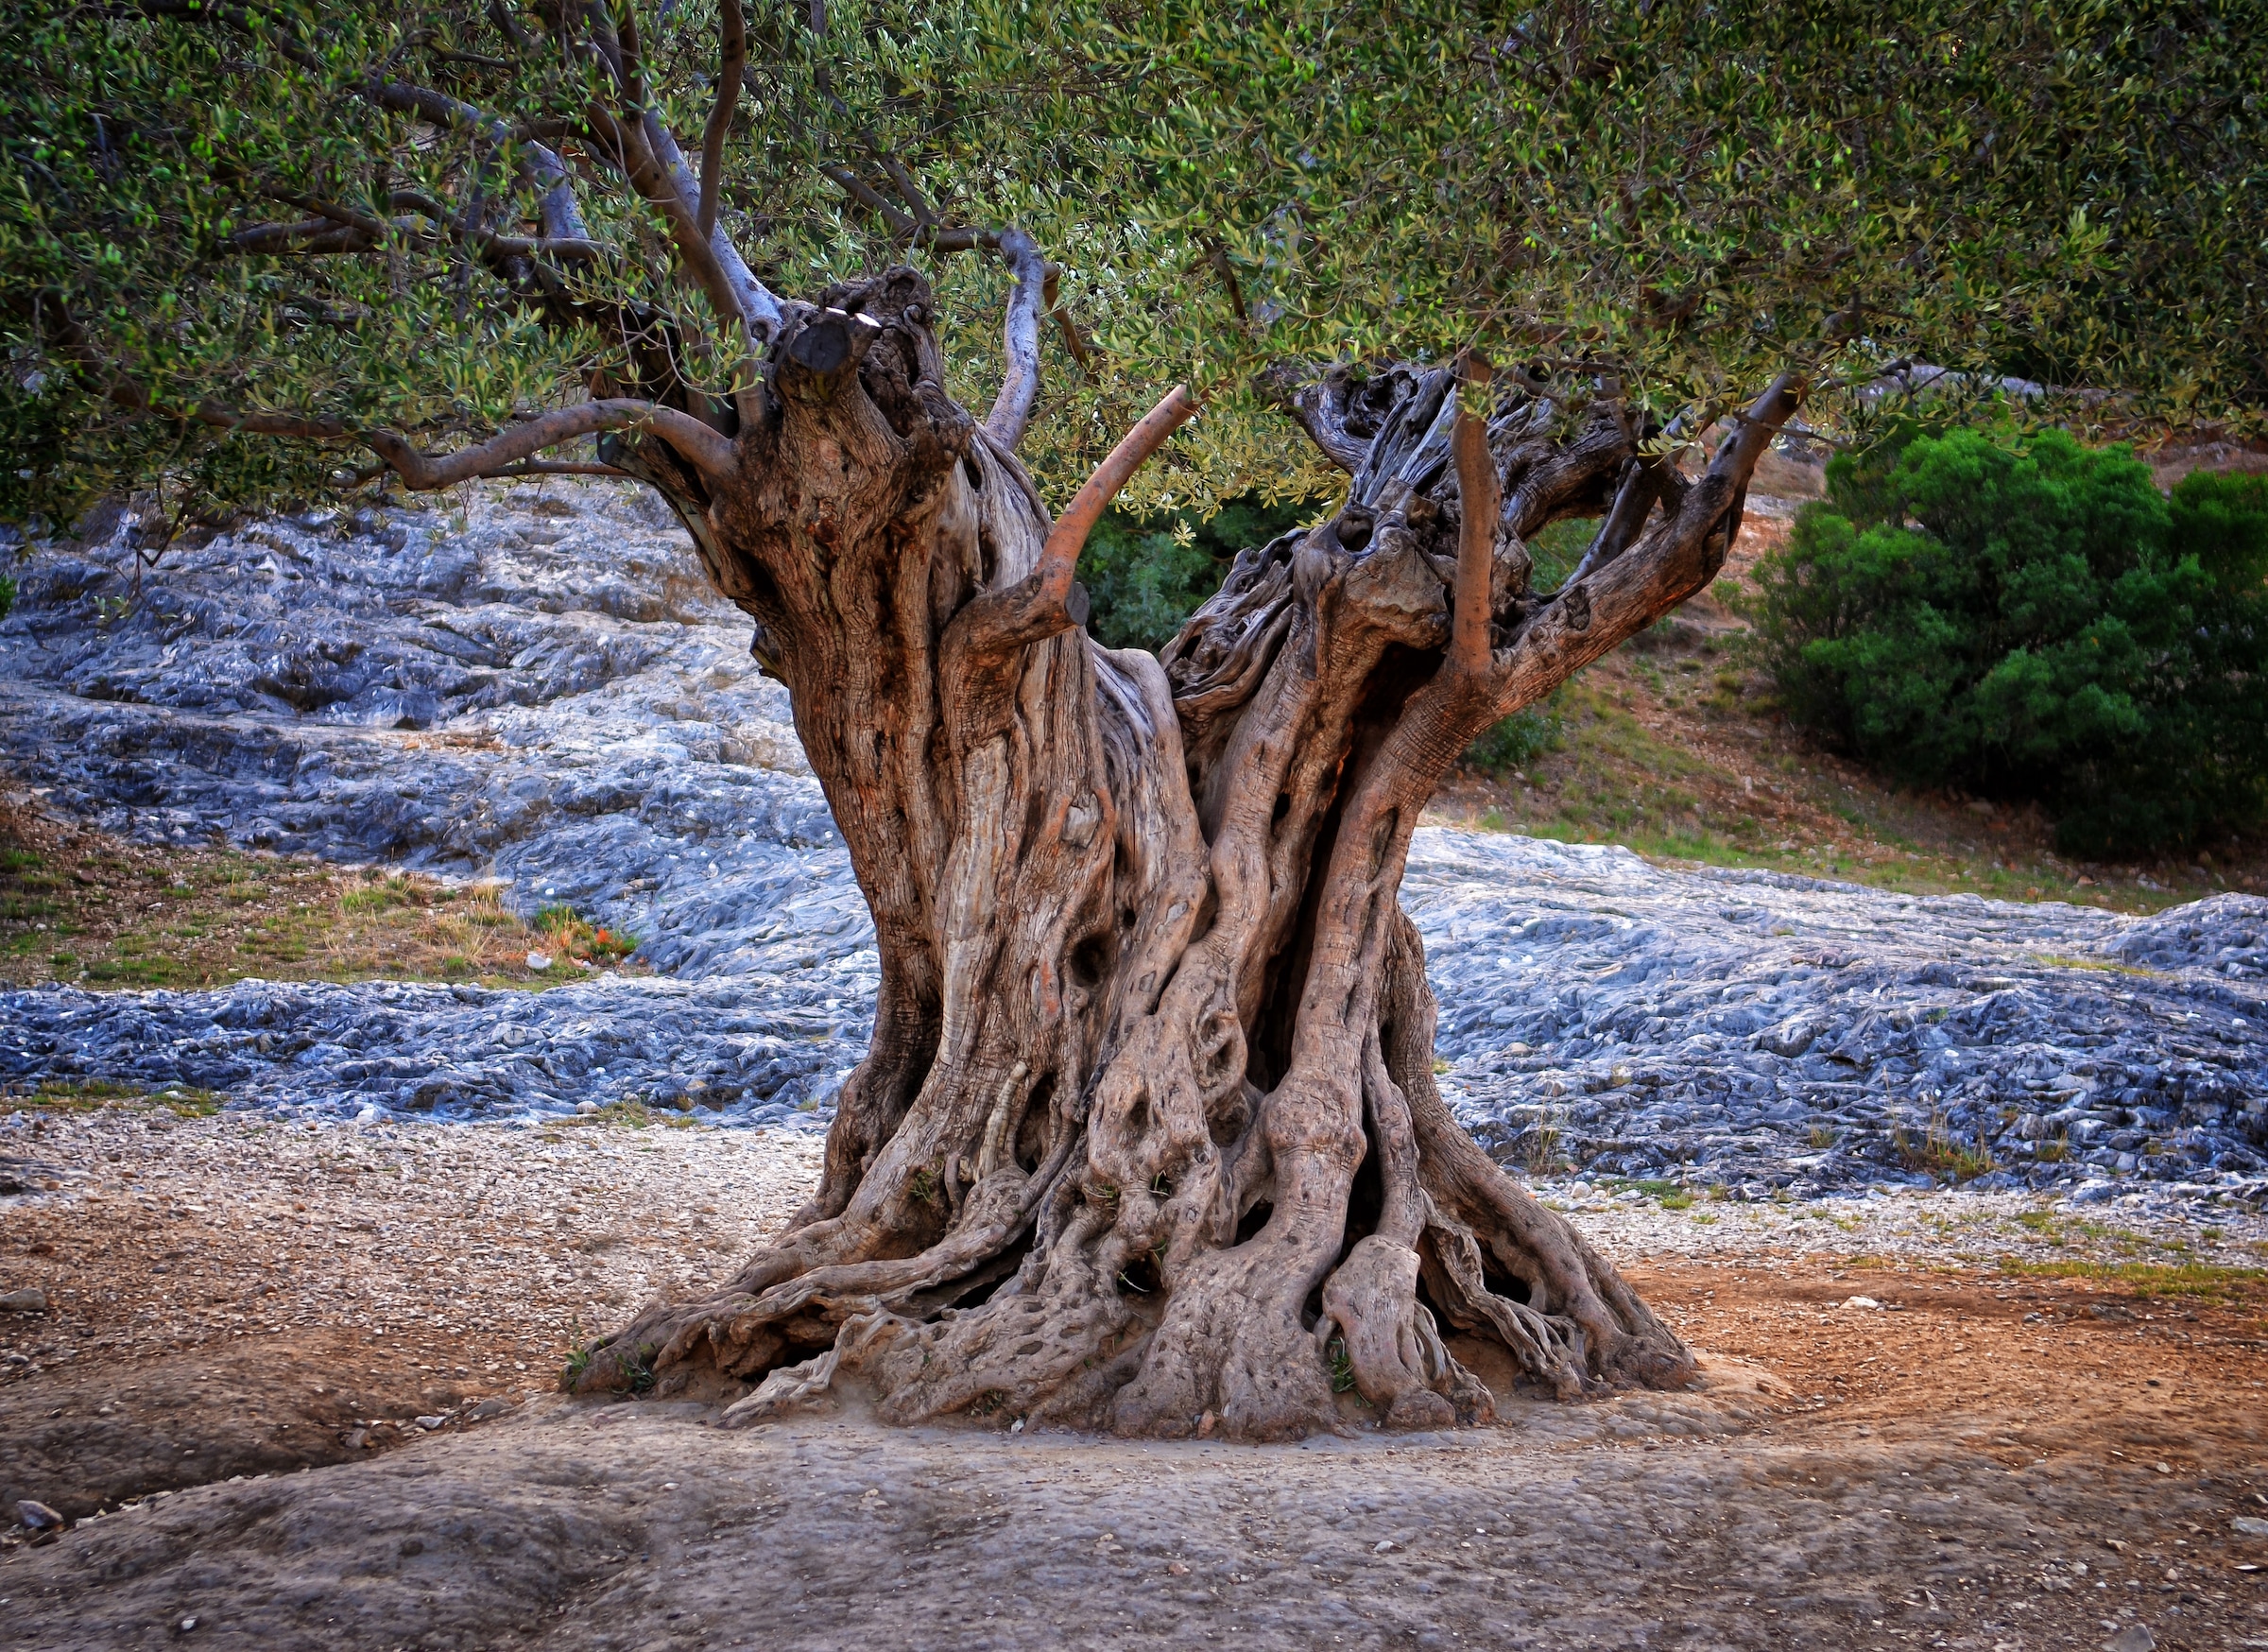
[1148, 1137]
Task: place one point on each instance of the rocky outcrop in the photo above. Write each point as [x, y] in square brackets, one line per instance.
[535, 684]
[1766, 1031]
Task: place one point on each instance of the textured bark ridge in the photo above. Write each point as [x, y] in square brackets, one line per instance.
[1148, 1138]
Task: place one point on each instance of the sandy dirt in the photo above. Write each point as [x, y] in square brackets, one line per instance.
[306, 1377]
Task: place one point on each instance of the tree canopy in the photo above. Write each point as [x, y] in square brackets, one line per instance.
[436, 217]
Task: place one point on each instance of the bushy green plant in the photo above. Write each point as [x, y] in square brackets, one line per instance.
[1517, 740]
[2035, 622]
[1146, 575]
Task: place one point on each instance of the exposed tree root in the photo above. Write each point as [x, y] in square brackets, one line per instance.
[1148, 1138]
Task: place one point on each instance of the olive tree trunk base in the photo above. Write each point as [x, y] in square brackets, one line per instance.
[1148, 1138]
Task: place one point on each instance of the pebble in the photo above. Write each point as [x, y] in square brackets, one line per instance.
[541, 686]
[23, 1301]
[37, 1516]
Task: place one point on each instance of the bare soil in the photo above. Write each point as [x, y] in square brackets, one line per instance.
[2041, 1435]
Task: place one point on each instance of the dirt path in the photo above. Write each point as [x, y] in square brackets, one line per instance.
[1989, 1459]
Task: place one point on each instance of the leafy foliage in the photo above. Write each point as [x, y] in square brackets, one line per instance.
[1147, 574]
[1666, 203]
[1517, 741]
[2036, 622]
[1682, 199]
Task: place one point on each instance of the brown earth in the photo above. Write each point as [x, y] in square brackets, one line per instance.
[231, 1298]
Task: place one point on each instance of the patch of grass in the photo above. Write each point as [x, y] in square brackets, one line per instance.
[629, 1113]
[1940, 1153]
[578, 1361]
[2195, 1280]
[2109, 966]
[639, 1367]
[1670, 1195]
[139, 916]
[82, 1097]
[1342, 1367]
[571, 937]
[1542, 1154]
[88, 1094]
[1674, 748]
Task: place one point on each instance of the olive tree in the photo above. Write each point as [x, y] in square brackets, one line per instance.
[1148, 1135]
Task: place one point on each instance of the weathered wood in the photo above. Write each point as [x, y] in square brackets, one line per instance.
[1148, 1133]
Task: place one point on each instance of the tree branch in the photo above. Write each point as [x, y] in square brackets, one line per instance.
[310, 235]
[733, 46]
[1479, 500]
[500, 13]
[1644, 482]
[1059, 557]
[701, 446]
[858, 189]
[561, 468]
[1019, 390]
[1319, 408]
[1048, 601]
[1671, 561]
[1064, 324]
[489, 241]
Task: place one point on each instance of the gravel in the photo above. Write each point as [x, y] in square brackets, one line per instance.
[536, 684]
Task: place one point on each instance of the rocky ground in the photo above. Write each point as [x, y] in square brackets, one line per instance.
[294, 1387]
[531, 685]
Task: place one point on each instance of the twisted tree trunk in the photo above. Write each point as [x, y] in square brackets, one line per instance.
[1148, 1137]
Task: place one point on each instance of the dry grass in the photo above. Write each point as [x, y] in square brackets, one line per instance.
[85, 909]
[2152, 1279]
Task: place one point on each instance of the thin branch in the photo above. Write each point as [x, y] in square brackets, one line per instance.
[1064, 324]
[1217, 255]
[701, 446]
[1644, 482]
[501, 246]
[310, 235]
[561, 468]
[474, 59]
[696, 442]
[1059, 557]
[500, 13]
[1479, 500]
[1048, 601]
[859, 190]
[733, 28]
[1019, 390]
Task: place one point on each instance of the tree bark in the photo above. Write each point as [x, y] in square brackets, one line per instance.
[1148, 1138]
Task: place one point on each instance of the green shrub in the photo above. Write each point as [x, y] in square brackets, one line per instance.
[2034, 623]
[1517, 740]
[1145, 576]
